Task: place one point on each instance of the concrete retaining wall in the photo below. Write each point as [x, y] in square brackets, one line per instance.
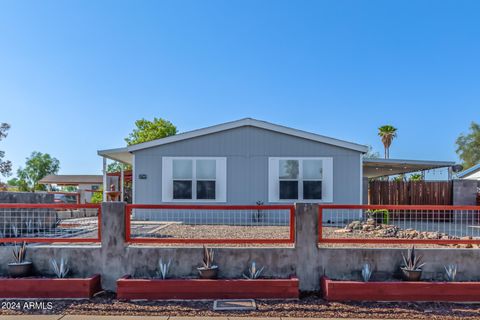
[114, 258]
[25, 197]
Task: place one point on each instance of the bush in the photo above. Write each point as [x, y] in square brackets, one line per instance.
[379, 215]
[97, 197]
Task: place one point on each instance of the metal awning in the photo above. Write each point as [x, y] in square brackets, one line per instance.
[119, 154]
[373, 168]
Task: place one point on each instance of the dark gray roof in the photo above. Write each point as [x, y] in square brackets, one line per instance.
[72, 179]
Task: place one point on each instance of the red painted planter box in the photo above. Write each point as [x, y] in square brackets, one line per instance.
[333, 290]
[49, 287]
[197, 289]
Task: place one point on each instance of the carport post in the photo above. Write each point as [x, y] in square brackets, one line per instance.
[104, 179]
[122, 181]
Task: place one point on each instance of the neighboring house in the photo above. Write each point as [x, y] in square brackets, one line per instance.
[244, 162]
[86, 184]
[472, 173]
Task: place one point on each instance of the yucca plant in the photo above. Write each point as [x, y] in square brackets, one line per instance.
[451, 272]
[19, 252]
[60, 268]
[208, 270]
[253, 272]
[163, 268]
[208, 255]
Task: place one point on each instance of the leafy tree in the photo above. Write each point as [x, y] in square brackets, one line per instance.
[37, 166]
[97, 196]
[116, 166]
[387, 133]
[13, 182]
[371, 154]
[150, 130]
[145, 131]
[399, 178]
[69, 189]
[415, 177]
[468, 146]
[5, 165]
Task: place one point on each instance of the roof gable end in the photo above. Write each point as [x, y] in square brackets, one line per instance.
[249, 122]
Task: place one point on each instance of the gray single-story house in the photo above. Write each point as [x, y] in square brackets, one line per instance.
[247, 162]
[244, 162]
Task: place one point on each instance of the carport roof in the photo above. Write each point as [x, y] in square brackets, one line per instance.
[71, 179]
[373, 168]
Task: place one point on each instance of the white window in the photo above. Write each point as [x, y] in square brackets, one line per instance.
[305, 179]
[187, 179]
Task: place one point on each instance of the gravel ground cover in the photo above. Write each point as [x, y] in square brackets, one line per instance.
[185, 231]
[330, 233]
[222, 232]
[308, 306]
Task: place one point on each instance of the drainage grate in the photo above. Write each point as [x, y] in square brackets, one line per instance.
[234, 304]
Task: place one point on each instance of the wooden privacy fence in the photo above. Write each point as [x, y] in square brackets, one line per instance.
[410, 192]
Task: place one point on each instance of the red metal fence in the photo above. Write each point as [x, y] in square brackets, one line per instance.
[210, 224]
[65, 223]
[387, 224]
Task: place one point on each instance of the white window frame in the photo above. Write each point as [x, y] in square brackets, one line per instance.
[274, 180]
[220, 179]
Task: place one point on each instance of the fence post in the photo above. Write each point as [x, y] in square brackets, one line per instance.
[113, 243]
[306, 246]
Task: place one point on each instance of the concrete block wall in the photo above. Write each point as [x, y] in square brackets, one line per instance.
[465, 192]
[25, 197]
[114, 258]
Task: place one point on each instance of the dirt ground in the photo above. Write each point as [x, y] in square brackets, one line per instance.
[308, 306]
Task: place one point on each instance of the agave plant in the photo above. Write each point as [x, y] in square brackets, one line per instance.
[60, 268]
[19, 252]
[253, 272]
[366, 272]
[208, 255]
[451, 272]
[163, 268]
[29, 226]
[412, 262]
[15, 232]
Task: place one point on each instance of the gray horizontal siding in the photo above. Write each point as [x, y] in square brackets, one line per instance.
[247, 150]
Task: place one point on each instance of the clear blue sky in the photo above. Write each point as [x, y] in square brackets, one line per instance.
[75, 75]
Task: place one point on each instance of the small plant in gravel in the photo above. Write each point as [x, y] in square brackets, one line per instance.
[379, 215]
[253, 272]
[258, 216]
[451, 272]
[163, 268]
[59, 268]
[366, 272]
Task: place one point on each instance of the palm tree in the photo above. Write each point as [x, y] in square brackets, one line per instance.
[387, 133]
